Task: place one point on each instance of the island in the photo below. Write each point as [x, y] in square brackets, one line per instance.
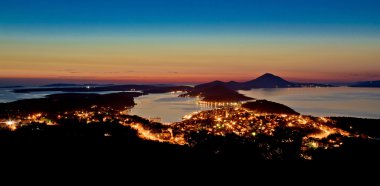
[267, 80]
[269, 107]
[216, 93]
[369, 84]
[97, 88]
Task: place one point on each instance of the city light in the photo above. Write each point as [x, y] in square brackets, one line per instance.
[10, 122]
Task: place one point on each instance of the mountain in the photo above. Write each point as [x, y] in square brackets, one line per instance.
[268, 81]
[265, 81]
[217, 93]
[367, 84]
[231, 85]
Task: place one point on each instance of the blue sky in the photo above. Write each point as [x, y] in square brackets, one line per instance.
[300, 14]
[305, 40]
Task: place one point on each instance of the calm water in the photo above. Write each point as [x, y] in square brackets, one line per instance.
[339, 101]
[169, 107]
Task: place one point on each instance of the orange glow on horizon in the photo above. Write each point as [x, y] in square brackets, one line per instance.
[166, 60]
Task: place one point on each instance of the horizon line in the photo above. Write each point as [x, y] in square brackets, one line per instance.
[89, 80]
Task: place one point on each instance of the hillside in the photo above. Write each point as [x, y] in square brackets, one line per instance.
[217, 93]
[268, 81]
[70, 102]
[264, 106]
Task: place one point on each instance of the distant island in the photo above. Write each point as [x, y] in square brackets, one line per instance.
[141, 88]
[218, 91]
[369, 84]
[265, 81]
[74, 85]
[11, 86]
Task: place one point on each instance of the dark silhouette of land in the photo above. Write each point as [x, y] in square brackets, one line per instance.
[264, 106]
[69, 102]
[109, 134]
[142, 88]
[265, 81]
[74, 138]
[11, 86]
[74, 85]
[370, 84]
[268, 81]
[369, 127]
[217, 93]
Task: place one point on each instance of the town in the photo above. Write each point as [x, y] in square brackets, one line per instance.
[315, 132]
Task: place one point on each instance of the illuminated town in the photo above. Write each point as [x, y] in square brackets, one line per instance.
[221, 121]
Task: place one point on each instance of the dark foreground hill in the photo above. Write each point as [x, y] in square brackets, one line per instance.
[264, 106]
[72, 138]
[80, 142]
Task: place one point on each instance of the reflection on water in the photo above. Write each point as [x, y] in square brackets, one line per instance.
[337, 101]
[168, 107]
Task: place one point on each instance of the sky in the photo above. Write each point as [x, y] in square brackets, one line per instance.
[170, 41]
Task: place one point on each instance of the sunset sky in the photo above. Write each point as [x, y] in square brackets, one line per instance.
[189, 40]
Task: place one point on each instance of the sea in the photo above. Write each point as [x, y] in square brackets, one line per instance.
[327, 101]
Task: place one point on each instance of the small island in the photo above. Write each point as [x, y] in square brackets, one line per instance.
[217, 93]
[269, 107]
[368, 84]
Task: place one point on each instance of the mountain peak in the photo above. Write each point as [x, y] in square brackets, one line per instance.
[268, 80]
[217, 81]
[268, 75]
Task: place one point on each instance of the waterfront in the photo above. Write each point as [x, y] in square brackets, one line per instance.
[167, 106]
[332, 101]
[337, 101]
